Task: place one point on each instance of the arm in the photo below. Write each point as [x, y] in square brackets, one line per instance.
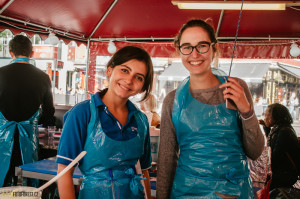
[47, 110]
[144, 162]
[253, 139]
[155, 119]
[266, 129]
[71, 144]
[284, 141]
[147, 183]
[65, 183]
[168, 150]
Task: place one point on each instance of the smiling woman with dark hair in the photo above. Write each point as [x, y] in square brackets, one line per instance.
[284, 145]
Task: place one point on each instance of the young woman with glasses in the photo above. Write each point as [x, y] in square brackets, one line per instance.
[203, 144]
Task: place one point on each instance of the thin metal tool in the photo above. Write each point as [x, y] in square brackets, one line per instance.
[229, 103]
[236, 35]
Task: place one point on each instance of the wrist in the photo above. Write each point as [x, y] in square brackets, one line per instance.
[248, 113]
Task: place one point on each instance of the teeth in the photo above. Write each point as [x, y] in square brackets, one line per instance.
[195, 62]
[124, 88]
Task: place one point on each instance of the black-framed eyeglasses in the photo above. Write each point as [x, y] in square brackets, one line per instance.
[201, 47]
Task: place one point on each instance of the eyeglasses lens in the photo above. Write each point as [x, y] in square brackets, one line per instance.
[201, 48]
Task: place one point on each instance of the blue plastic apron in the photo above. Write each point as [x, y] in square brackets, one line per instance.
[28, 137]
[211, 153]
[108, 166]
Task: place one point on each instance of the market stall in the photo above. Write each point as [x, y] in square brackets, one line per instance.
[152, 24]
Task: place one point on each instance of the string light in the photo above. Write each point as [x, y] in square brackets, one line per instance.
[53, 39]
[295, 50]
[111, 47]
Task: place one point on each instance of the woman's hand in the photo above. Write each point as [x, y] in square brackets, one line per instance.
[235, 92]
[261, 122]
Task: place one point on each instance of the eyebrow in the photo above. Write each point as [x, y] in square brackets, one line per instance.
[131, 70]
[200, 42]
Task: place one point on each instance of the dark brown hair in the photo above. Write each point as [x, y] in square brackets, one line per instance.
[20, 46]
[128, 53]
[280, 114]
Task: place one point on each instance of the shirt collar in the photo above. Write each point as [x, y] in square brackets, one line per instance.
[98, 101]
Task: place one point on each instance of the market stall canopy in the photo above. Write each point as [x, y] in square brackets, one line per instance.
[177, 72]
[141, 20]
[292, 70]
[250, 72]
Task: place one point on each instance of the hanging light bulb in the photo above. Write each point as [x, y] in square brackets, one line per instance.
[53, 39]
[111, 47]
[295, 50]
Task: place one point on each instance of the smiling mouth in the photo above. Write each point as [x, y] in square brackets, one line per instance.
[124, 88]
[196, 63]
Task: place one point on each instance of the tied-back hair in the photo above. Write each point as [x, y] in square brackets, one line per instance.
[280, 114]
[205, 26]
[197, 23]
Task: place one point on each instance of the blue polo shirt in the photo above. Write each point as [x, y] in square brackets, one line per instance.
[75, 125]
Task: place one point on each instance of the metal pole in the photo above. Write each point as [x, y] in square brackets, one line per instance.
[103, 18]
[87, 67]
[78, 37]
[6, 5]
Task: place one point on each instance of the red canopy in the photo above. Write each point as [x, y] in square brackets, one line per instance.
[262, 34]
[148, 20]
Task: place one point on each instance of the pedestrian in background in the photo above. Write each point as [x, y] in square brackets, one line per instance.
[293, 102]
[283, 141]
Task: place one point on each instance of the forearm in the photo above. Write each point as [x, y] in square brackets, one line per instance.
[147, 184]
[167, 164]
[65, 183]
[253, 139]
[168, 153]
[48, 109]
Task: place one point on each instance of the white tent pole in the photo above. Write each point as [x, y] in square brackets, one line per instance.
[87, 67]
[6, 5]
[219, 23]
[103, 18]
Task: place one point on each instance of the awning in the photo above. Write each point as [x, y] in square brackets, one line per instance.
[138, 19]
[293, 70]
[249, 72]
[175, 72]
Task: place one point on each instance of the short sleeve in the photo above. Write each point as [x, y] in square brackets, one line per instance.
[74, 133]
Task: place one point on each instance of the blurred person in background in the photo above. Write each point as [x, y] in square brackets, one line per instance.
[23, 89]
[149, 108]
[293, 102]
[282, 139]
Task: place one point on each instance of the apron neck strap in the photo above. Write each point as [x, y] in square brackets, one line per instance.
[21, 59]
